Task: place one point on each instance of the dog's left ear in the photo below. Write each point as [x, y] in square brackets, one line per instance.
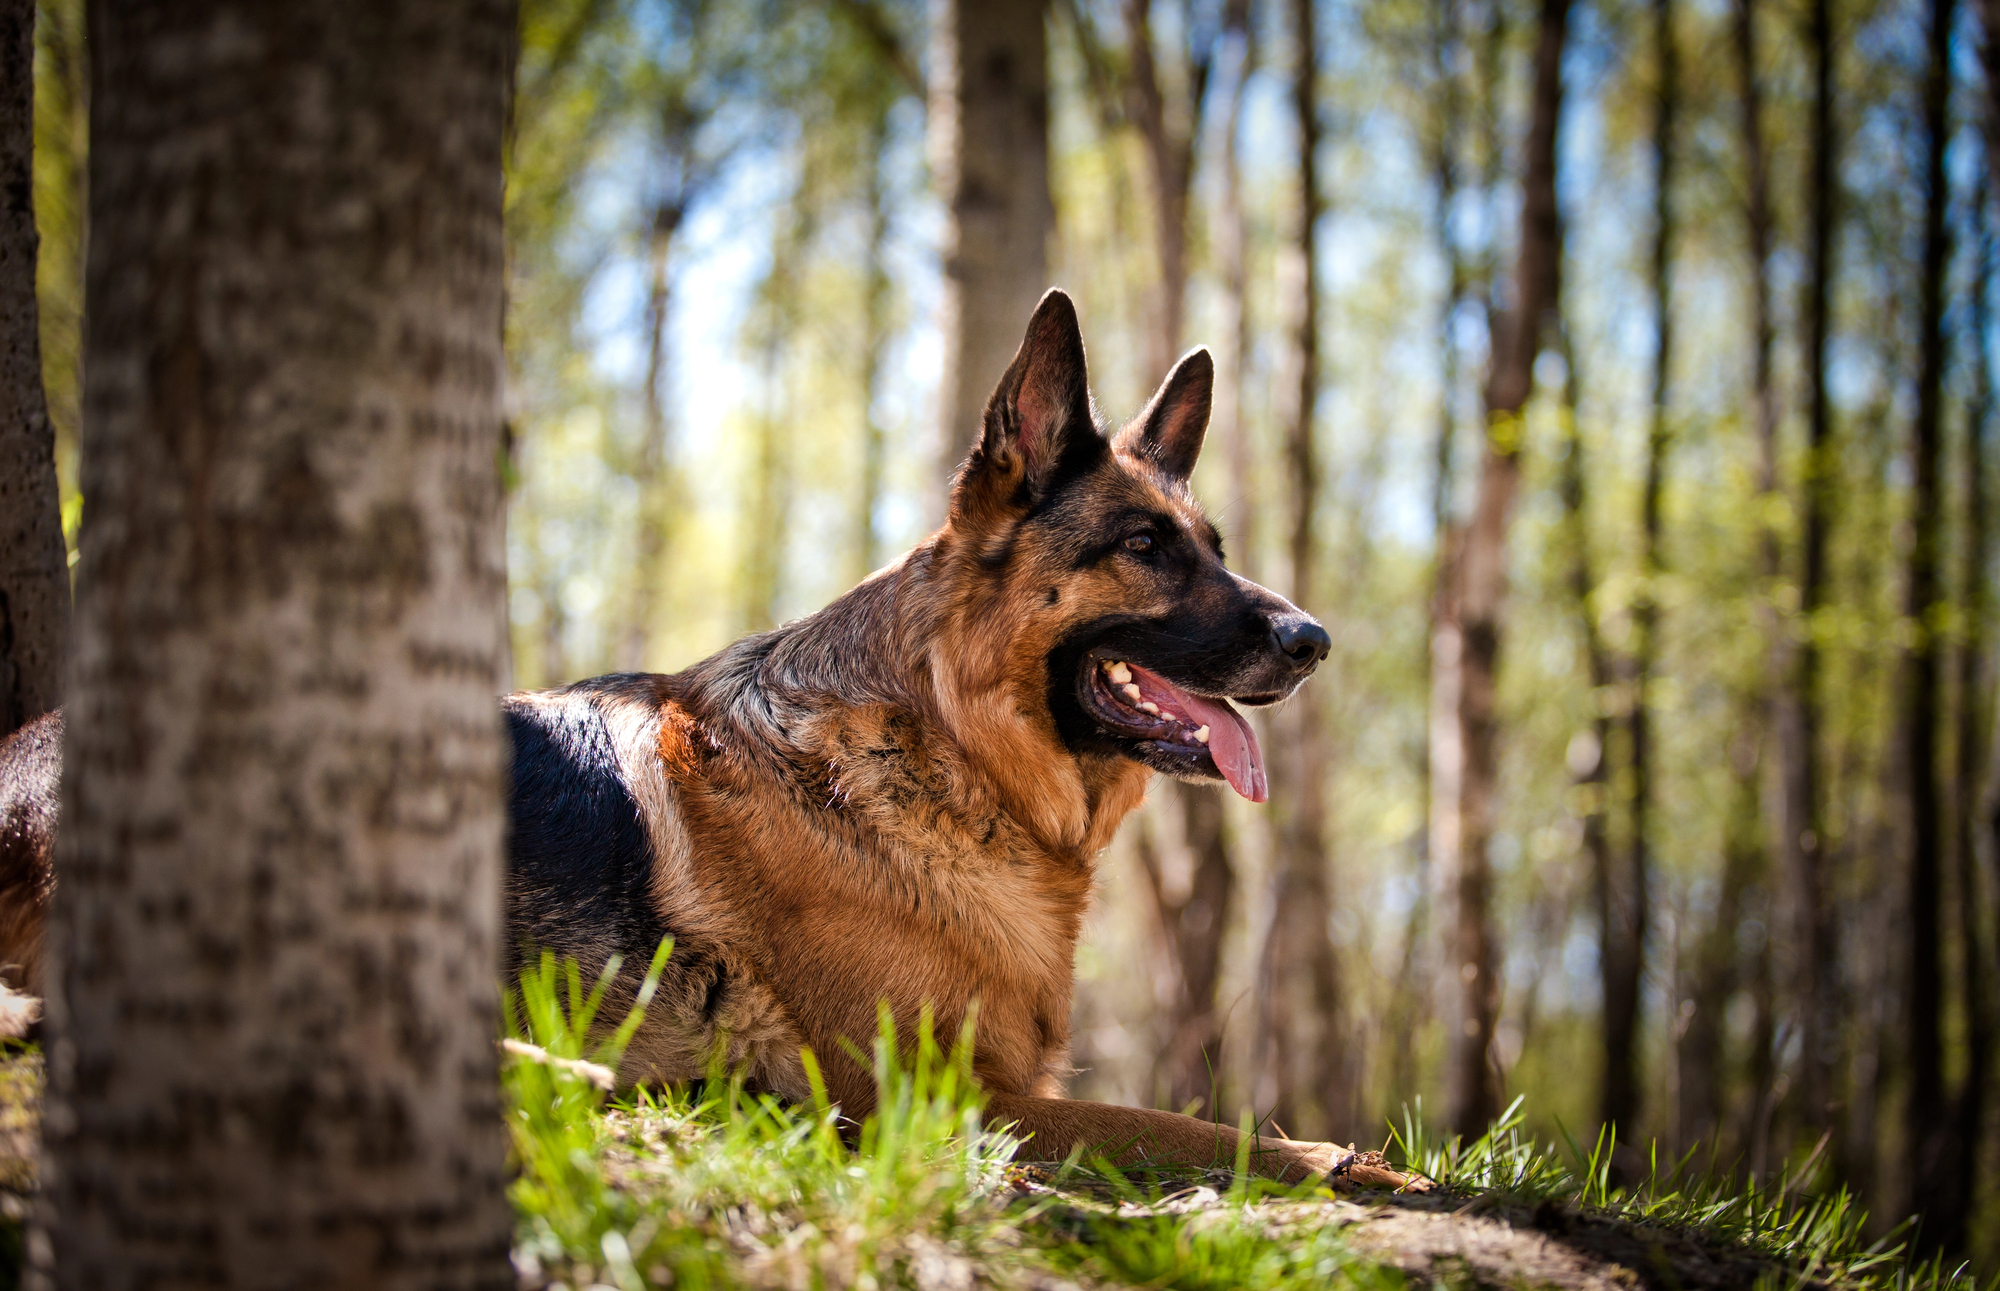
[1169, 432]
[1039, 414]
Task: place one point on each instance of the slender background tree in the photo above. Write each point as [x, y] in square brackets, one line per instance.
[1303, 1055]
[1465, 765]
[989, 122]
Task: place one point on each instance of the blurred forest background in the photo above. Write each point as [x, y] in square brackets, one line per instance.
[1693, 830]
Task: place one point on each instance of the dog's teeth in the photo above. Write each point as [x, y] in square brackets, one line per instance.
[1120, 674]
[1149, 706]
[1131, 692]
[1172, 717]
[1201, 735]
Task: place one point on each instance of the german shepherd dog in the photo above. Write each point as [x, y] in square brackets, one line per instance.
[900, 797]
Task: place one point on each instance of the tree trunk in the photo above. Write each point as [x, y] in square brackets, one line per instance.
[1703, 1054]
[1467, 764]
[1624, 905]
[1492, 111]
[34, 568]
[1763, 328]
[1977, 970]
[275, 947]
[1410, 984]
[1170, 167]
[1187, 1067]
[1193, 922]
[1800, 847]
[1941, 1168]
[989, 121]
[1589, 754]
[1193, 919]
[1446, 36]
[762, 560]
[650, 477]
[869, 549]
[1989, 58]
[1227, 425]
[1747, 861]
[1302, 1060]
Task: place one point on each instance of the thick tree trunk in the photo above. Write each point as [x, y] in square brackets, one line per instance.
[989, 122]
[34, 569]
[1940, 1170]
[1302, 1063]
[1466, 764]
[1801, 851]
[273, 991]
[1624, 906]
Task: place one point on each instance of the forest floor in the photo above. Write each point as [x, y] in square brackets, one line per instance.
[712, 1187]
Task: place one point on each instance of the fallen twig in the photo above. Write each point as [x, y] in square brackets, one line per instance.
[596, 1073]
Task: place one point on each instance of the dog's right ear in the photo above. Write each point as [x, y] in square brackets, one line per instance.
[1039, 419]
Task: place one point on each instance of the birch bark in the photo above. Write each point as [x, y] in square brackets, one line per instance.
[275, 943]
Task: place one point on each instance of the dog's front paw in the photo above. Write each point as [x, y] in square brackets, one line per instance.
[1344, 1168]
[1354, 1169]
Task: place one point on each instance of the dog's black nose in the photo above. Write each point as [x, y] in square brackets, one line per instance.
[1302, 641]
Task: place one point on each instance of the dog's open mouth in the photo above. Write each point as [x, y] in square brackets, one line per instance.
[1140, 704]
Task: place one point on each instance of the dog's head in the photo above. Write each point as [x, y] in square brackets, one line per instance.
[1114, 606]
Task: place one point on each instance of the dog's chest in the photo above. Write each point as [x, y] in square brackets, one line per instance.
[927, 909]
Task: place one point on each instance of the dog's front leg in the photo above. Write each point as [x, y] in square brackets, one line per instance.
[1055, 1127]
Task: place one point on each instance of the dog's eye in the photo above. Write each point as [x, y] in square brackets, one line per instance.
[1141, 544]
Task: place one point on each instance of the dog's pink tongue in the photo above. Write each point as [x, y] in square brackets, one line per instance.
[1230, 740]
[1232, 744]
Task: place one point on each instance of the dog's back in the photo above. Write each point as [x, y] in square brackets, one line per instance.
[580, 864]
[579, 859]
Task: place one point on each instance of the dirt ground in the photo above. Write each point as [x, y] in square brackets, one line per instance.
[1469, 1244]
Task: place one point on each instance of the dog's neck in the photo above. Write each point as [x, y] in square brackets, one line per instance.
[894, 642]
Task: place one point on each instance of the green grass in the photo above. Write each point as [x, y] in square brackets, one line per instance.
[1819, 1236]
[717, 1186]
